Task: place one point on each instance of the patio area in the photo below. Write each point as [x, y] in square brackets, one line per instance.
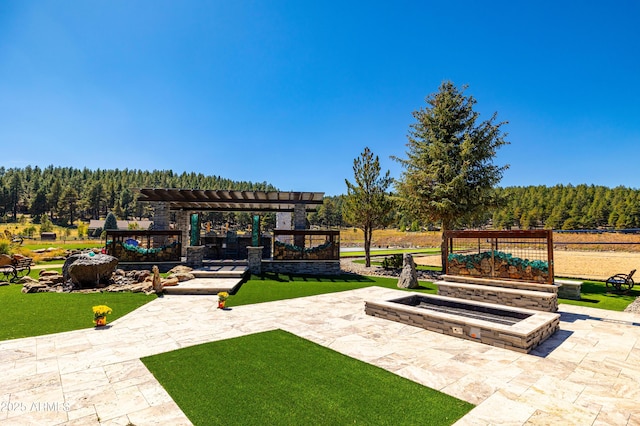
[585, 374]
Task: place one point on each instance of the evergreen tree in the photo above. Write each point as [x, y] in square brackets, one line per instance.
[449, 175]
[110, 222]
[367, 205]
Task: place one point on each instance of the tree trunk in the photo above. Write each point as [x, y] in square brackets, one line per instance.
[443, 246]
[367, 246]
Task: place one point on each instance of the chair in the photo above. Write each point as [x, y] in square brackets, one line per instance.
[619, 280]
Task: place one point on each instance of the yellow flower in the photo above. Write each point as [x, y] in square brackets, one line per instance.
[101, 311]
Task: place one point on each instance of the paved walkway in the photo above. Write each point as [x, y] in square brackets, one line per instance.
[586, 374]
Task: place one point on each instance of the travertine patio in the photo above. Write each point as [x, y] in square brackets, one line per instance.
[587, 373]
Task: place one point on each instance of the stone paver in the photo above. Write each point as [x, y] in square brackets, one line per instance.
[587, 373]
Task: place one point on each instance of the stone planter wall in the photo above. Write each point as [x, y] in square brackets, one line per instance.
[526, 299]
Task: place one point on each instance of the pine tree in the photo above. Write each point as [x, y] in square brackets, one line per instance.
[449, 175]
[110, 222]
[367, 205]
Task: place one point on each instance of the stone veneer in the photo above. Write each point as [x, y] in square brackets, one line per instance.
[182, 223]
[569, 289]
[195, 256]
[521, 337]
[312, 267]
[527, 299]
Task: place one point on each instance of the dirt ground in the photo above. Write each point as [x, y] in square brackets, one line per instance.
[578, 264]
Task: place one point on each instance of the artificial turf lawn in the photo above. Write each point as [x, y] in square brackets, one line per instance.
[25, 315]
[277, 378]
[272, 287]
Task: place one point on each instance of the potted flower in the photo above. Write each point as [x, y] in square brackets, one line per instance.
[100, 313]
[222, 299]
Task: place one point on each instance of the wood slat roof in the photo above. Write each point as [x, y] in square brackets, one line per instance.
[223, 200]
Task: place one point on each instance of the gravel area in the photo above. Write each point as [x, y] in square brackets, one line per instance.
[349, 266]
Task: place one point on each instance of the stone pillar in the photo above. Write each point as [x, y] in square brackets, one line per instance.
[299, 222]
[195, 256]
[182, 223]
[300, 216]
[255, 260]
[161, 217]
[161, 221]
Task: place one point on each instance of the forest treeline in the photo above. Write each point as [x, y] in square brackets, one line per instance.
[555, 207]
[66, 194]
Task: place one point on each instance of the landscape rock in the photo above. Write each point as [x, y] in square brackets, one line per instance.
[170, 282]
[26, 280]
[408, 276]
[34, 288]
[156, 282]
[180, 269]
[182, 276]
[91, 271]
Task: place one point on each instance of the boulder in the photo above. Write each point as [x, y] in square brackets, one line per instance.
[182, 276]
[180, 269]
[170, 282]
[409, 275]
[156, 281]
[34, 288]
[90, 271]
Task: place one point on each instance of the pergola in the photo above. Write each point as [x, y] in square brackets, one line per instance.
[298, 248]
[226, 200]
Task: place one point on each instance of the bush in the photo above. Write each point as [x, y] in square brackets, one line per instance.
[5, 246]
[110, 222]
[392, 262]
[46, 225]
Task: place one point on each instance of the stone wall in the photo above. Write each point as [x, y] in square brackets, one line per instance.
[182, 223]
[526, 299]
[195, 255]
[317, 267]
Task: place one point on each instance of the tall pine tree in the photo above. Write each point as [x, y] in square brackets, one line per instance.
[449, 175]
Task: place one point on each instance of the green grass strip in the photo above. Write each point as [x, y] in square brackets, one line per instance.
[272, 287]
[594, 294]
[26, 315]
[390, 252]
[277, 378]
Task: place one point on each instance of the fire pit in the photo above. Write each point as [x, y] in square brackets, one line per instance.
[506, 327]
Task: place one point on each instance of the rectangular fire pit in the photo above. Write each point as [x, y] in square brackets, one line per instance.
[505, 327]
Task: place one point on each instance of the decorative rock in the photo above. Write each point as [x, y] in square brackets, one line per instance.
[182, 276]
[34, 288]
[46, 273]
[409, 275]
[26, 280]
[89, 271]
[180, 269]
[170, 282]
[156, 281]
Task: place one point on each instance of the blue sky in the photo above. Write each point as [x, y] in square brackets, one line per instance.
[290, 92]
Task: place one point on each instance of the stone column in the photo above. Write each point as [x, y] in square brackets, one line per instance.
[182, 223]
[195, 256]
[300, 216]
[254, 259]
[161, 221]
[299, 222]
[161, 217]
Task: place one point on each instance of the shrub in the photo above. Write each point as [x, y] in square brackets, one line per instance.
[110, 222]
[45, 224]
[5, 246]
[392, 262]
